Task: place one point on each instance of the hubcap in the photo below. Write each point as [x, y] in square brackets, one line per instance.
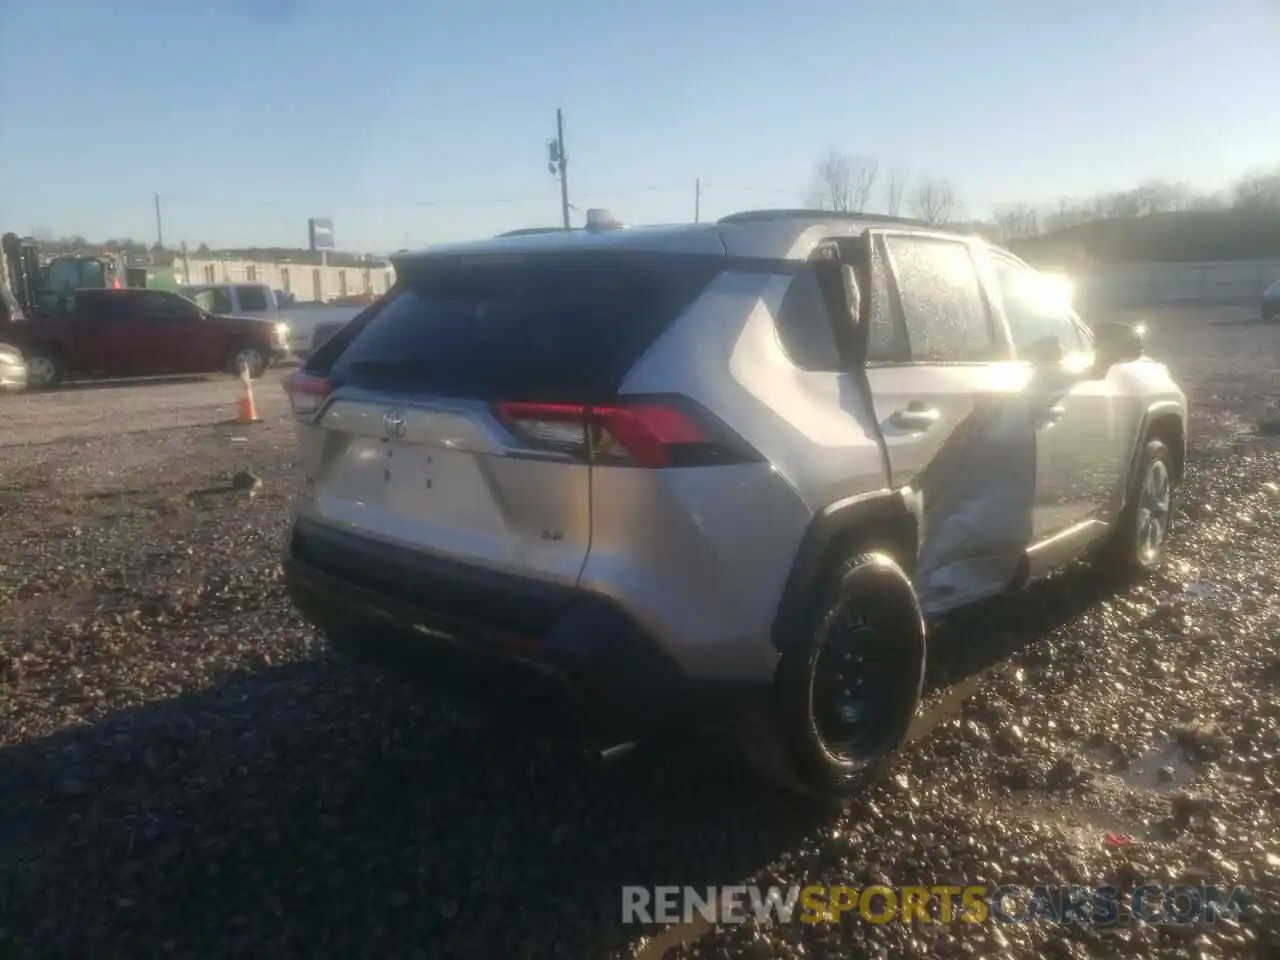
[40, 370]
[855, 684]
[1154, 508]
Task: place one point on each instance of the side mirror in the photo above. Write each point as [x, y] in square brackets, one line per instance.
[1046, 350]
[1119, 343]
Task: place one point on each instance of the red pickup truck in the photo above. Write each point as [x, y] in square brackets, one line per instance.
[139, 332]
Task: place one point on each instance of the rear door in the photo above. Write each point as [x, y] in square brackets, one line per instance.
[456, 423]
[951, 410]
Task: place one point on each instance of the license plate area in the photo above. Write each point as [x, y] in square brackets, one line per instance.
[434, 484]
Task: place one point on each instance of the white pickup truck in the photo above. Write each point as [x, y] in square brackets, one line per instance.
[310, 324]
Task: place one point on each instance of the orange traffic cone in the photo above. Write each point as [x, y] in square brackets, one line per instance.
[246, 411]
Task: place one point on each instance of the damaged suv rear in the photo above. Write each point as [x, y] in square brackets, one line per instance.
[717, 471]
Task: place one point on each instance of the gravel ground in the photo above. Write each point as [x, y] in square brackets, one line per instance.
[185, 771]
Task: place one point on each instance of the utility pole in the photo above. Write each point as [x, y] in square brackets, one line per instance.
[697, 199]
[159, 225]
[560, 164]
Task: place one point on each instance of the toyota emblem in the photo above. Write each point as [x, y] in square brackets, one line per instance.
[393, 423]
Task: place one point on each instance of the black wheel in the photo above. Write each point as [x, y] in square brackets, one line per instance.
[847, 690]
[1135, 548]
[247, 356]
[45, 368]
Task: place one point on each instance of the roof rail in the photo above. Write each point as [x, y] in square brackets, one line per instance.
[530, 231]
[764, 216]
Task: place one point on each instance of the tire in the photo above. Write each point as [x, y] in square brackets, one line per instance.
[38, 361]
[867, 609]
[250, 356]
[1131, 553]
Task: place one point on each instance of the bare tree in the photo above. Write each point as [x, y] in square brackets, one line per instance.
[1258, 191]
[895, 187]
[1123, 204]
[832, 185]
[1069, 213]
[842, 182]
[864, 170]
[1207, 201]
[934, 201]
[1017, 221]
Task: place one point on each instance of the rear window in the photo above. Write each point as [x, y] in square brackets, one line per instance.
[537, 327]
[252, 299]
[213, 300]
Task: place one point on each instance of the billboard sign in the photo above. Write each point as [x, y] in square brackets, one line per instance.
[320, 234]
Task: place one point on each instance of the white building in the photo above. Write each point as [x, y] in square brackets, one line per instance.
[307, 282]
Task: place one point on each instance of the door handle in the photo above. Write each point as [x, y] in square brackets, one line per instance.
[915, 416]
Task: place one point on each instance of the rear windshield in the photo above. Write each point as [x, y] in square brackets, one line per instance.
[536, 327]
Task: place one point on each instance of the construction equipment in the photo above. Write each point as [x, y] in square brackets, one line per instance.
[45, 284]
[22, 267]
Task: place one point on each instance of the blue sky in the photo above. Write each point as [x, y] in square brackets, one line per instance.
[409, 123]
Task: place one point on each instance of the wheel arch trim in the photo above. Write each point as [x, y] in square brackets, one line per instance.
[894, 515]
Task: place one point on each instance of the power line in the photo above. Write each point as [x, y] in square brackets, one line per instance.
[737, 188]
[621, 192]
[449, 201]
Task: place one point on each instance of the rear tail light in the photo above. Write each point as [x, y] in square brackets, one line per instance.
[306, 394]
[652, 433]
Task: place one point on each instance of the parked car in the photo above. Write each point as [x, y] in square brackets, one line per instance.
[1271, 303]
[13, 369]
[139, 332]
[717, 472]
[236, 299]
[309, 323]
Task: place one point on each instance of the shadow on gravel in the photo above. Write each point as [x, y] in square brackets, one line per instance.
[978, 638]
[293, 812]
[72, 386]
[238, 819]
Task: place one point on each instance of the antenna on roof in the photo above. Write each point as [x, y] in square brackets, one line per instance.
[599, 218]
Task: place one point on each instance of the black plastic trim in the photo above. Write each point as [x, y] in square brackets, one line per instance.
[492, 634]
[885, 510]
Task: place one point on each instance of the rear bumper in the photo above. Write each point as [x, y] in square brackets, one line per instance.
[483, 635]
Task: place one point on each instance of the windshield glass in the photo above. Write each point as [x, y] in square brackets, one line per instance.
[212, 299]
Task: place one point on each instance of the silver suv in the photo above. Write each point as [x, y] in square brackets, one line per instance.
[672, 474]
